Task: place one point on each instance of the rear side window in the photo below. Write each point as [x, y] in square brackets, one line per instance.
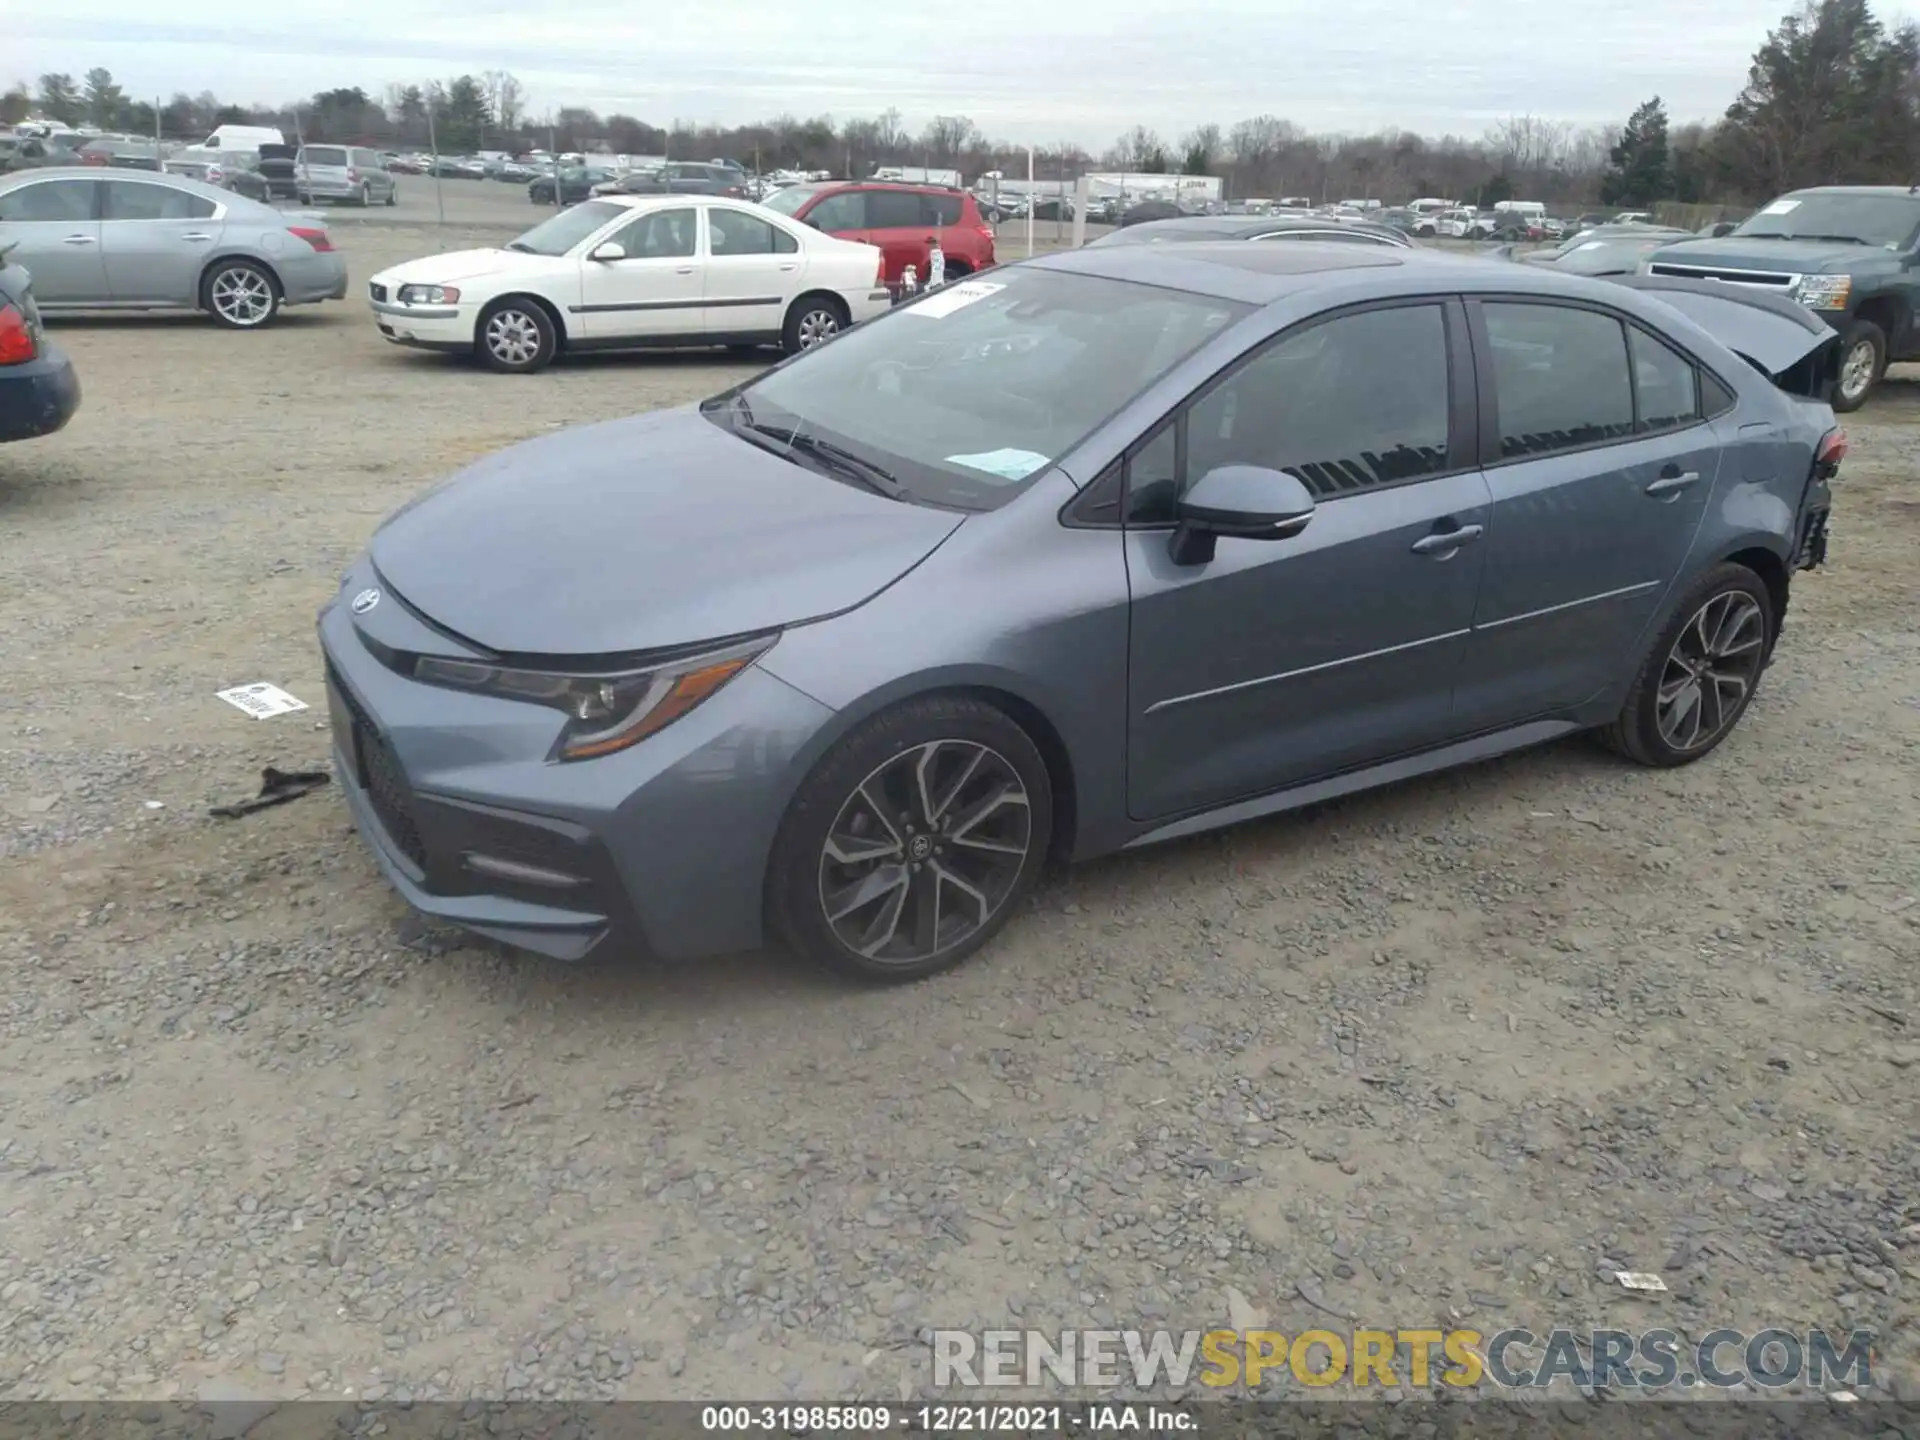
[729, 232]
[323, 155]
[940, 209]
[894, 210]
[1560, 376]
[1665, 384]
[131, 200]
[51, 201]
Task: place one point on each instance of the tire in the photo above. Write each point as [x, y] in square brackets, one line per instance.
[1863, 360]
[393, 194]
[515, 336]
[365, 198]
[813, 320]
[978, 762]
[1726, 612]
[240, 295]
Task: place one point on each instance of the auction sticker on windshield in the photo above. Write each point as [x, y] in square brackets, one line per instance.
[955, 297]
[1006, 463]
[1781, 207]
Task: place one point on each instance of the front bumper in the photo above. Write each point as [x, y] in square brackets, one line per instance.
[39, 397]
[446, 328]
[658, 849]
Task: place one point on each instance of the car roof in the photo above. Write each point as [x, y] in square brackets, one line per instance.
[1234, 227]
[1260, 275]
[1888, 190]
[678, 201]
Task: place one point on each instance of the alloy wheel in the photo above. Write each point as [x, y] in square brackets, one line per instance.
[817, 326]
[1710, 671]
[513, 337]
[242, 297]
[925, 851]
[1856, 371]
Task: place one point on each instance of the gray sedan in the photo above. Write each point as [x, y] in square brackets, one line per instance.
[95, 241]
[1093, 551]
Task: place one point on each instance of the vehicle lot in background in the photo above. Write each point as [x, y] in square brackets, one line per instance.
[1613, 1015]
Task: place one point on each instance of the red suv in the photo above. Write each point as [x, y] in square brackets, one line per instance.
[898, 219]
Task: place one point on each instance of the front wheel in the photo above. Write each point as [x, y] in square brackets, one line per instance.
[516, 337]
[913, 842]
[393, 194]
[1863, 360]
[1700, 675]
[813, 320]
[240, 295]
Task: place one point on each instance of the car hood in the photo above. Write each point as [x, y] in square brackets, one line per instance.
[639, 534]
[1743, 252]
[457, 265]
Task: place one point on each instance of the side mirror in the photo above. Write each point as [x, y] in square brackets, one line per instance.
[1241, 502]
[612, 250]
[1725, 227]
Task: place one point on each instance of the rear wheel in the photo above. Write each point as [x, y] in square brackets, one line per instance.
[813, 320]
[1863, 360]
[240, 295]
[393, 194]
[1700, 675]
[365, 198]
[516, 337]
[914, 841]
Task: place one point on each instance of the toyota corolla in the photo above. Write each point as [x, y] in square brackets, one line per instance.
[1101, 549]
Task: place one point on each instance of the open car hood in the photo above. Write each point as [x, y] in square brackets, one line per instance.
[1790, 345]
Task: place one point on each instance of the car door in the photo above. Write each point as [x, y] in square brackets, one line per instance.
[753, 270]
[656, 290]
[156, 239]
[896, 223]
[1280, 661]
[1600, 464]
[54, 226]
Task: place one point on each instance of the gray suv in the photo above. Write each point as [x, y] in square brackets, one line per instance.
[343, 172]
[1105, 548]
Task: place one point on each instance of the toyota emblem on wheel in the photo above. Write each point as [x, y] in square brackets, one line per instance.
[365, 601]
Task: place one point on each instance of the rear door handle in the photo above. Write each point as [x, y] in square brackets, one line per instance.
[1445, 542]
[789, 267]
[78, 240]
[684, 270]
[1673, 484]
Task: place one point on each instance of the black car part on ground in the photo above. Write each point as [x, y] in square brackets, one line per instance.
[1801, 355]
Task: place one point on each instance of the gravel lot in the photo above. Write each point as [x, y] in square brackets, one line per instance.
[1437, 1055]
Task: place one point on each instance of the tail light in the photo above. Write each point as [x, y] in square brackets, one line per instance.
[1833, 449]
[17, 342]
[353, 176]
[735, 191]
[318, 239]
[985, 232]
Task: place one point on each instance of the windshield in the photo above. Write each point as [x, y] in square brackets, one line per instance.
[567, 229]
[968, 393]
[1886, 220]
[785, 202]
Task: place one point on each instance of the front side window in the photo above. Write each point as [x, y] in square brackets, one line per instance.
[49, 202]
[1560, 378]
[1665, 384]
[733, 232]
[968, 395]
[660, 235]
[1344, 405]
[130, 200]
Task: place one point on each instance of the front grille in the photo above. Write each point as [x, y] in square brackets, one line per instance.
[379, 293]
[380, 776]
[1773, 279]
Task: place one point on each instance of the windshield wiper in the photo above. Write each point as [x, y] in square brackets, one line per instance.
[524, 249]
[832, 457]
[1837, 239]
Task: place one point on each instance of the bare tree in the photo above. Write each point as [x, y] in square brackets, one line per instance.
[507, 98]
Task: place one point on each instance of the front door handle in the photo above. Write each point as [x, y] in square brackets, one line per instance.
[1445, 542]
[684, 270]
[197, 235]
[789, 267]
[1673, 484]
[78, 240]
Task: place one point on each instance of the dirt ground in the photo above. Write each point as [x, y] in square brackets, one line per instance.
[1447, 1054]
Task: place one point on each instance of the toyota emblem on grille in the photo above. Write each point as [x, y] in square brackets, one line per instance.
[365, 601]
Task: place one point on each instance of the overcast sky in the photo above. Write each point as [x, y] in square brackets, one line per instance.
[1075, 70]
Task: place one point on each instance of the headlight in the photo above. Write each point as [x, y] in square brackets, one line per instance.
[428, 295]
[1824, 292]
[605, 713]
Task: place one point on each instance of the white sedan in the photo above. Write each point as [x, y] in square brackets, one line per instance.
[631, 272]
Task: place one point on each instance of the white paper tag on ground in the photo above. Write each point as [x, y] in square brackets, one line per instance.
[942, 303]
[1640, 1280]
[262, 701]
[1781, 207]
[1007, 464]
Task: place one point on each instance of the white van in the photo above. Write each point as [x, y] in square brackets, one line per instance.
[1531, 211]
[242, 137]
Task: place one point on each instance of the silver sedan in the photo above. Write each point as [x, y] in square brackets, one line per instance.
[96, 241]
